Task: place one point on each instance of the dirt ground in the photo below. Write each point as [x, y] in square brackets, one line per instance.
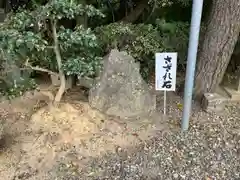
[38, 137]
[75, 142]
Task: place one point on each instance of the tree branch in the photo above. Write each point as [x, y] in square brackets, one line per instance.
[62, 87]
[36, 68]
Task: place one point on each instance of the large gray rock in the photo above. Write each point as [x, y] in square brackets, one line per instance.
[120, 90]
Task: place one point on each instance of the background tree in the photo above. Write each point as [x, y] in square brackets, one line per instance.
[219, 39]
[145, 27]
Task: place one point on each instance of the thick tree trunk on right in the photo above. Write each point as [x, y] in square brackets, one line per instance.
[221, 35]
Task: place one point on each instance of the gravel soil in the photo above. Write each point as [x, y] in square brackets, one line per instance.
[210, 150]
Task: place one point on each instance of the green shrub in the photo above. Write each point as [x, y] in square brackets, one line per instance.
[142, 41]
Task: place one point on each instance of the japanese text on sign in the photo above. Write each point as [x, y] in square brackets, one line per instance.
[165, 71]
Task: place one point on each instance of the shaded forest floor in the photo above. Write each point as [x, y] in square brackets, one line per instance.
[75, 142]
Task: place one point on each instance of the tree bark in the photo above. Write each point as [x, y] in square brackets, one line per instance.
[135, 13]
[222, 31]
[62, 87]
[82, 20]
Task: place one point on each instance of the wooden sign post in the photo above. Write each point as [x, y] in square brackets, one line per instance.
[165, 73]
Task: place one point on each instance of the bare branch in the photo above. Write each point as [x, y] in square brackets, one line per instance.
[50, 47]
[36, 68]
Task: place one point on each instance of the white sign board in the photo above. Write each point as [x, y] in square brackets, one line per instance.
[165, 71]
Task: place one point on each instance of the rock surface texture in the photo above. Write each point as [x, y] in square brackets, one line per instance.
[213, 102]
[120, 90]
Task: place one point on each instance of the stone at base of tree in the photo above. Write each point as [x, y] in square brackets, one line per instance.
[232, 93]
[213, 102]
[120, 90]
[56, 81]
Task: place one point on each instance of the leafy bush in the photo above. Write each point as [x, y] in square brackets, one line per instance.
[142, 41]
[175, 37]
[27, 37]
[16, 89]
[36, 37]
[23, 36]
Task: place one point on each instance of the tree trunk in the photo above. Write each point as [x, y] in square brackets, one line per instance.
[82, 20]
[221, 35]
[135, 13]
[62, 87]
